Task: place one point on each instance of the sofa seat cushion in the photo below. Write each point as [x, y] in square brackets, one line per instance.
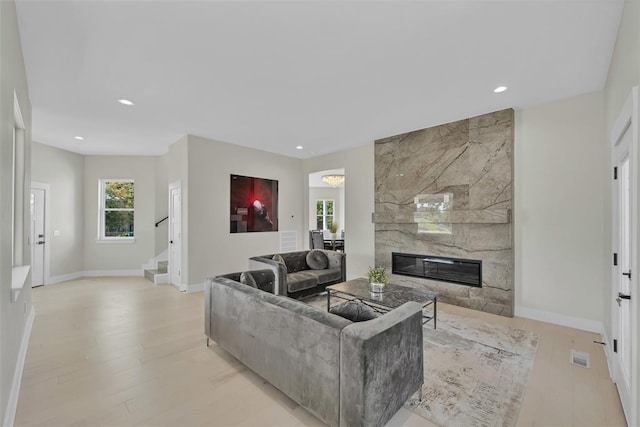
[326, 276]
[301, 280]
[355, 311]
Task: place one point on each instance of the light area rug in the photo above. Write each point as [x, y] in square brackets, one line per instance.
[475, 373]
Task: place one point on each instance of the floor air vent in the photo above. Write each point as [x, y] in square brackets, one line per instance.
[580, 358]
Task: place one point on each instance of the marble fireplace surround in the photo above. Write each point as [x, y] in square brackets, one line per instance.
[466, 167]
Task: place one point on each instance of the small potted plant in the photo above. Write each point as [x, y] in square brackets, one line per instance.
[378, 278]
[333, 229]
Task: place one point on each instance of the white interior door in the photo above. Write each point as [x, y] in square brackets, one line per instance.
[38, 240]
[622, 274]
[175, 236]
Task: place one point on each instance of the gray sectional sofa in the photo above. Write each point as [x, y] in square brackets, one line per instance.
[345, 373]
[296, 278]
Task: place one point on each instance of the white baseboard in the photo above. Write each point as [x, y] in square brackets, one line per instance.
[608, 351]
[64, 277]
[12, 404]
[113, 273]
[93, 273]
[560, 319]
[198, 287]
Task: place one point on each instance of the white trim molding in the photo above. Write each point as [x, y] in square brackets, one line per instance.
[64, 277]
[197, 287]
[113, 273]
[94, 273]
[627, 121]
[560, 319]
[608, 350]
[12, 404]
[47, 233]
[19, 277]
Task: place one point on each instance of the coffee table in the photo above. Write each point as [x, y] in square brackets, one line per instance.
[392, 297]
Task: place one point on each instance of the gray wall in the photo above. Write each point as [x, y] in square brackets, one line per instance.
[212, 248]
[179, 172]
[560, 207]
[529, 291]
[64, 172]
[161, 233]
[358, 206]
[13, 315]
[74, 199]
[125, 256]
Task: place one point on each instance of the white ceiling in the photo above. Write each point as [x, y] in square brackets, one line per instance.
[273, 75]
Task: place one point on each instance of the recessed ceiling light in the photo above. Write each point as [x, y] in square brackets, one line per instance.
[79, 138]
[299, 147]
[500, 89]
[126, 102]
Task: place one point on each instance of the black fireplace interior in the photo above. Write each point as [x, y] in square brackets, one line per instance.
[453, 270]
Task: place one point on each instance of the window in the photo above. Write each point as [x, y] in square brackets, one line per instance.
[324, 214]
[116, 209]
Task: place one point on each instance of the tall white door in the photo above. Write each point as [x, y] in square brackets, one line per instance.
[175, 236]
[622, 310]
[38, 240]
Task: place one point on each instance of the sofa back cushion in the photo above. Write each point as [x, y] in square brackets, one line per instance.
[247, 279]
[265, 280]
[295, 261]
[260, 279]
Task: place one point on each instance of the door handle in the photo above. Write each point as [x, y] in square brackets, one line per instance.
[628, 274]
[623, 296]
[171, 241]
[41, 242]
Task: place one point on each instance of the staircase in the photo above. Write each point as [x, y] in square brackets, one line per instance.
[159, 274]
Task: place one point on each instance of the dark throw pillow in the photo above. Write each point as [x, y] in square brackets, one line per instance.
[247, 279]
[354, 311]
[317, 260]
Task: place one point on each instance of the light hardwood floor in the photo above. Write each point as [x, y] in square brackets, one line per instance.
[122, 351]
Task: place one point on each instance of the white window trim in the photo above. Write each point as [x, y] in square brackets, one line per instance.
[101, 213]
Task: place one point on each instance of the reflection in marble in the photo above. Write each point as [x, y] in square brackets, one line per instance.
[393, 296]
[471, 161]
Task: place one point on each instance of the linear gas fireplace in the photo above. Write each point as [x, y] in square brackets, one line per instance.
[454, 270]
